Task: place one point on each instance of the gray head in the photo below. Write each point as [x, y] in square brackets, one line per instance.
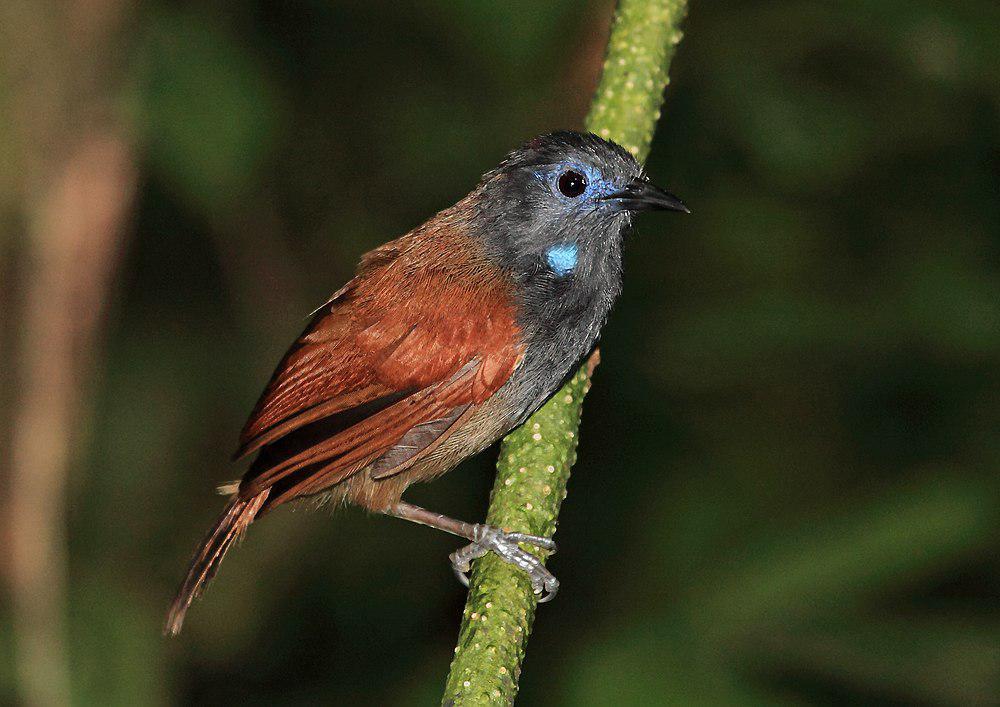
[558, 206]
[552, 215]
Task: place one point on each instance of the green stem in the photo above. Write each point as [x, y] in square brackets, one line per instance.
[535, 459]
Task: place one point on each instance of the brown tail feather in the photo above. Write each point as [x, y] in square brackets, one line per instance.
[233, 522]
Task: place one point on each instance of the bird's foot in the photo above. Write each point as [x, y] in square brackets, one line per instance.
[486, 538]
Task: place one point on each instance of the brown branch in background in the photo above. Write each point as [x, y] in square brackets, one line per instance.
[71, 192]
[74, 244]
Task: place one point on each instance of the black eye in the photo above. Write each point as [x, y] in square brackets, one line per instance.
[572, 184]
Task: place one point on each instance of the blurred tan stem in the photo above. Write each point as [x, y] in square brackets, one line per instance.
[69, 190]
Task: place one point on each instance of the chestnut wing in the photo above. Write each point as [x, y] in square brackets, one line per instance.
[383, 373]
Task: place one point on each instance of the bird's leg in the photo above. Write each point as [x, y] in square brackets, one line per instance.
[484, 539]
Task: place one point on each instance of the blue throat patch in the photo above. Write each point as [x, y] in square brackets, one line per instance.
[562, 258]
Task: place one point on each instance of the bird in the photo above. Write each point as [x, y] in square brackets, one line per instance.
[445, 340]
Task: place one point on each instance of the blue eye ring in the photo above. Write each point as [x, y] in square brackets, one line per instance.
[572, 183]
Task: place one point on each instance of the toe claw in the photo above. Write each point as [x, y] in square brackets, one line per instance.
[551, 589]
[461, 567]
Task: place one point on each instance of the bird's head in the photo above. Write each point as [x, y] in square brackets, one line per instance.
[563, 201]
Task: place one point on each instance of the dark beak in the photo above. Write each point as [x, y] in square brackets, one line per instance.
[641, 195]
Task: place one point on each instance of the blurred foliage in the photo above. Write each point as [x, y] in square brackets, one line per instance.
[787, 487]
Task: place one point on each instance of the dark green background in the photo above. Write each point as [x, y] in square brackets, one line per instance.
[787, 487]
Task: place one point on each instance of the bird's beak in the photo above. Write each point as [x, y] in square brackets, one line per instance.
[641, 195]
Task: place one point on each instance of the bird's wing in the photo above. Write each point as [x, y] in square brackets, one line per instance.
[385, 371]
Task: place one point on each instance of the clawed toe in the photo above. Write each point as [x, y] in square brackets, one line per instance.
[536, 540]
[461, 560]
[506, 547]
[550, 586]
[462, 576]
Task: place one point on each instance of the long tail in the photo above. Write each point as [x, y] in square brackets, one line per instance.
[233, 522]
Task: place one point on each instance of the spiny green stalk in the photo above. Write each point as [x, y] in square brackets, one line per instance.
[535, 459]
